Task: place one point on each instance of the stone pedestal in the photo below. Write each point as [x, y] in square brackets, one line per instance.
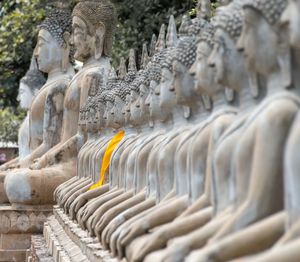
[17, 225]
[66, 241]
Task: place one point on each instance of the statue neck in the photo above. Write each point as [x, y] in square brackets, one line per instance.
[198, 112]
[130, 130]
[92, 61]
[246, 99]
[55, 73]
[219, 99]
[165, 125]
[179, 120]
[274, 83]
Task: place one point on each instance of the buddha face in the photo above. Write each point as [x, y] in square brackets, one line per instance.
[48, 52]
[291, 18]
[135, 111]
[108, 116]
[204, 76]
[126, 109]
[258, 41]
[83, 42]
[91, 123]
[183, 83]
[99, 116]
[117, 112]
[144, 91]
[226, 56]
[153, 103]
[25, 96]
[167, 96]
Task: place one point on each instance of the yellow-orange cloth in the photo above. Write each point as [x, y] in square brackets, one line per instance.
[113, 143]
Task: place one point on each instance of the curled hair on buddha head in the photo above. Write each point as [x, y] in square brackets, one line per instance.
[186, 51]
[169, 58]
[207, 36]
[95, 13]
[197, 26]
[270, 9]
[57, 22]
[230, 20]
[155, 66]
[140, 77]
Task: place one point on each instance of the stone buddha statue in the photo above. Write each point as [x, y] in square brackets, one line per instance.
[93, 26]
[28, 88]
[260, 202]
[45, 114]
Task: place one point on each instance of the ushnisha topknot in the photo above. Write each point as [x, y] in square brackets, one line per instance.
[207, 36]
[271, 9]
[57, 22]
[140, 78]
[169, 58]
[198, 24]
[186, 51]
[230, 20]
[121, 92]
[95, 13]
[155, 67]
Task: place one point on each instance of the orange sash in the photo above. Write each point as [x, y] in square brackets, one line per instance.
[113, 143]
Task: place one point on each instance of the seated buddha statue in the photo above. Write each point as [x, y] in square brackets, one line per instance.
[93, 22]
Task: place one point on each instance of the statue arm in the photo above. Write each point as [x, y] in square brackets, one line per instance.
[61, 152]
[53, 116]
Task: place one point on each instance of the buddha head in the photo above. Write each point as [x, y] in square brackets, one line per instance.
[291, 18]
[108, 115]
[153, 100]
[53, 50]
[29, 85]
[119, 104]
[166, 92]
[229, 64]
[93, 26]
[133, 107]
[265, 51]
[204, 76]
[183, 82]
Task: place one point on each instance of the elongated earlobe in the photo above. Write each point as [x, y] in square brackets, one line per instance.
[66, 53]
[99, 41]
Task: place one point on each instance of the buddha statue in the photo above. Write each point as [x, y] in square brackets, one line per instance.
[45, 114]
[260, 205]
[28, 88]
[93, 26]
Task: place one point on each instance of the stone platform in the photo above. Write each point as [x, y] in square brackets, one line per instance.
[67, 242]
[17, 225]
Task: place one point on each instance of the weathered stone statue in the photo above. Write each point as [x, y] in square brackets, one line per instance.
[93, 25]
[45, 114]
[259, 201]
[28, 88]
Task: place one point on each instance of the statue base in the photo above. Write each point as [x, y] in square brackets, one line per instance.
[17, 225]
[66, 241]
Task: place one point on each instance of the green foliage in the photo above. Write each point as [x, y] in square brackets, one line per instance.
[9, 125]
[18, 30]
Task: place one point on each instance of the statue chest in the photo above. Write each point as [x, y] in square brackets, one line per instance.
[72, 98]
[38, 106]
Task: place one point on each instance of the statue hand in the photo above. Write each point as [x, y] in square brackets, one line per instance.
[39, 163]
[206, 254]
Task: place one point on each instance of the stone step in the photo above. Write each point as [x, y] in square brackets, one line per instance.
[88, 245]
[60, 246]
[38, 251]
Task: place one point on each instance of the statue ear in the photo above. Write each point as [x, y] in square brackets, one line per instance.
[284, 61]
[66, 54]
[99, 41]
